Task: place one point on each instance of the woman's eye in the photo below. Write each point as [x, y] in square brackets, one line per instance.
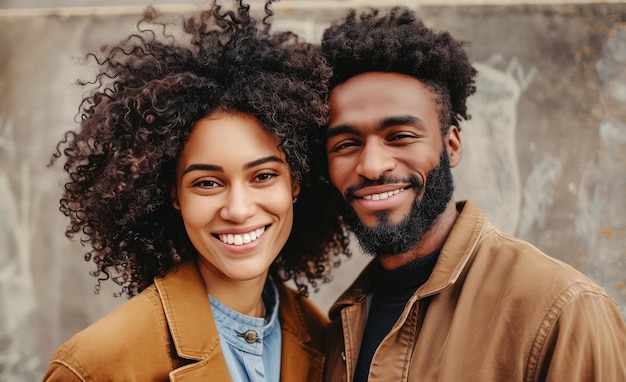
[265, 176]
[206, 184]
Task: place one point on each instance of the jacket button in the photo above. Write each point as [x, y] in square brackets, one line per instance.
[250, 336]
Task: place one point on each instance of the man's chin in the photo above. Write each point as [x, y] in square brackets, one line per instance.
[371, 221]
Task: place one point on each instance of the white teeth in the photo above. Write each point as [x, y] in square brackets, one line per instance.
[241, 239]
[246, 238]
[383, 195]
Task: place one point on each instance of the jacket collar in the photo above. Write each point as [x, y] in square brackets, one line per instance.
[299, 362]
[356, 292]
[453, 259]
[192, 326]
[188, 312]
[457, 250]
[291, 316]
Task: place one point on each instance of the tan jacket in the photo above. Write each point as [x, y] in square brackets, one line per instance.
[494, 309]
[168, 333]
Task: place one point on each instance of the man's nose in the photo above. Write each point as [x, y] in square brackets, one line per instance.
[375, 160]
[240, 204]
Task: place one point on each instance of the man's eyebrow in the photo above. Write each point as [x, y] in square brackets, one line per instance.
[399, 120]
[345, 128]
[387, 122]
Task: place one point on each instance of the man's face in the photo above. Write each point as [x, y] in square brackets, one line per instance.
[388, 159]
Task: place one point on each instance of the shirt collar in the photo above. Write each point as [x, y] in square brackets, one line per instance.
[243, 332]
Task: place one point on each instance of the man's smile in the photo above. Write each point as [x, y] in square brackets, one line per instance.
[383, 195]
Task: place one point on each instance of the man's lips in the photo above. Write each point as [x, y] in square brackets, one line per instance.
[383, 195]
[379, 192]
[241, 238]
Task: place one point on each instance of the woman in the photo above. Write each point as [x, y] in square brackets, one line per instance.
[184, 177]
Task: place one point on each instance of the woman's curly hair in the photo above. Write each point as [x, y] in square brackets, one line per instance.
[149, 91]
[400, 43]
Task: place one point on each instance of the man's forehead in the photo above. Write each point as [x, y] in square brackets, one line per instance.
[382, 99]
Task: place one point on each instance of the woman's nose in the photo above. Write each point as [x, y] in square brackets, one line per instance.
[239, 206]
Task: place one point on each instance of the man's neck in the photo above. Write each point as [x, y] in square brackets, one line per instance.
[432, 239]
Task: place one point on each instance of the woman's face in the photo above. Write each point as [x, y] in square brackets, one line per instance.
[234, 192]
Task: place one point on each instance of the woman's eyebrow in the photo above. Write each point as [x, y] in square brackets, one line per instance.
[271, 158]
[246, 166]
[203, 167]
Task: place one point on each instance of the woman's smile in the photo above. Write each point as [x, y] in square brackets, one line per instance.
[239, 238]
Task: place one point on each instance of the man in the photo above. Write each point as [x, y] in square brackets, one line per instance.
[447, 297]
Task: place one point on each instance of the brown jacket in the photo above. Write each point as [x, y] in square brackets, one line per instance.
[168, 333]
[495, 308]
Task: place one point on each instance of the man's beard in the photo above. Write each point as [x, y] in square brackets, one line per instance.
[387, 238]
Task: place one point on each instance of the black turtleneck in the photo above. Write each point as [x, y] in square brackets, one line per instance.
[393, 290]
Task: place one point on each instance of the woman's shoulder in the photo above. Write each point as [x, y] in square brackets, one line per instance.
[135, 329]
[298, 313]
[291, 297]
[139, 314]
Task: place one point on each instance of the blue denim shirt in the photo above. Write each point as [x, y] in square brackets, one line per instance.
[251, 345]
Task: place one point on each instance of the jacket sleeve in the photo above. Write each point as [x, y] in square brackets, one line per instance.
[60, 372]
[586, 343]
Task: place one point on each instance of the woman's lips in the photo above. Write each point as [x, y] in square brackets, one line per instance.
[241, 238]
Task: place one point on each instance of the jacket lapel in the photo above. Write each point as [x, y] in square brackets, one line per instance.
[212, 369]
[191, 324]
[299, 362]
[457, 250]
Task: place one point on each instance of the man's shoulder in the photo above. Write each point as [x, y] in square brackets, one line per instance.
[524, 264]
[516, 254]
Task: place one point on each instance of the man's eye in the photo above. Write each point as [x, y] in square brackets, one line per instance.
[344, 145]
[398, 137]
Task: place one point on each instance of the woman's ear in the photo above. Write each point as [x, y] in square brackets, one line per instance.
[174, 196]
[295, 191]
[453, 145]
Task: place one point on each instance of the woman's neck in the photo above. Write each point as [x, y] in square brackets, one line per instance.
[243, 296]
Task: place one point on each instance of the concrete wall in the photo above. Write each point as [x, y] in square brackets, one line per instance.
[544, 155]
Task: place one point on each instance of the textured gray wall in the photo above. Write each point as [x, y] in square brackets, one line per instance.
[544, 155]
